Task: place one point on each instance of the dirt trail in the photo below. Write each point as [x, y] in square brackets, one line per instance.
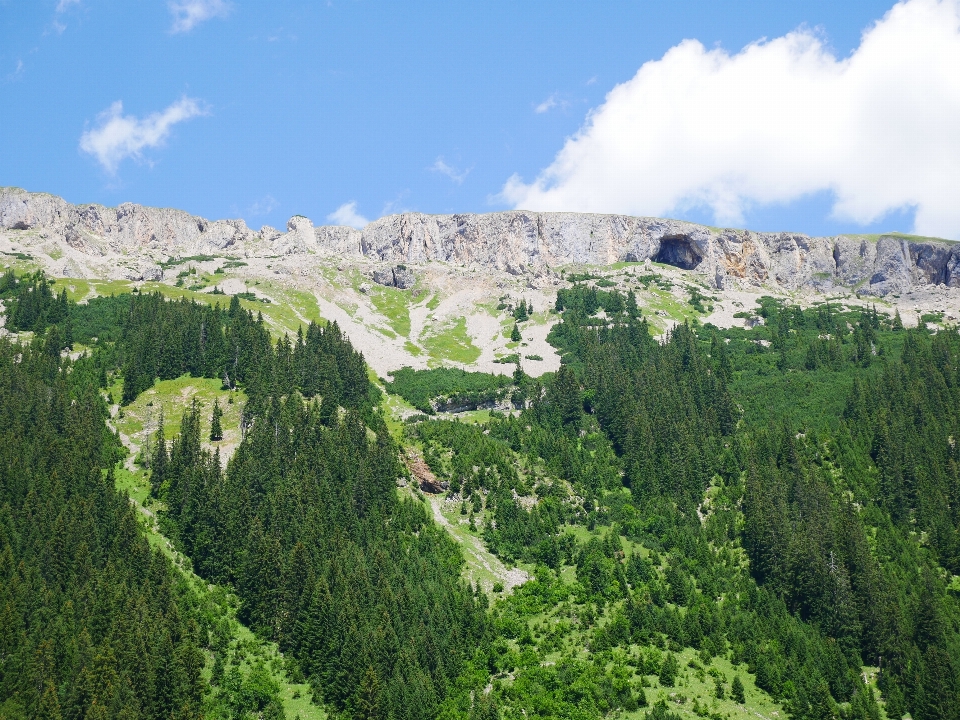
[476, 554]
[129, 463]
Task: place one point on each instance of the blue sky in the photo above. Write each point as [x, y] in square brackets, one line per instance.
[268, 109]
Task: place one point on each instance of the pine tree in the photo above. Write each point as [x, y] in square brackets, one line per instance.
[897, 322]
[669, 670]
[515, 334]
[158, 463]
[520, 313]
[216, 431]
[718, 689]
[736, 690]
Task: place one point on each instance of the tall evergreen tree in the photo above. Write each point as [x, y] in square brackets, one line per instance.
[216, 431]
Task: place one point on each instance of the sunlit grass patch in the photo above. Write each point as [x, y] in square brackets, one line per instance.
[174, 397]
[394, 305]
[452, 343]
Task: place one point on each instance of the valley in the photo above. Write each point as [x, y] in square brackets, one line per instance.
[621, 489]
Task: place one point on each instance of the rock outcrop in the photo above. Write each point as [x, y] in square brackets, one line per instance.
[399, 276]
[517, 242]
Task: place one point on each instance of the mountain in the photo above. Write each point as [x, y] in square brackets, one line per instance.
[517, 242]
[701, 473]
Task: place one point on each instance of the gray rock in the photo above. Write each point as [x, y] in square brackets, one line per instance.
[299, 238]
[893, 270]
[518, 242]
[149, 272]
[383, 277]
[403, 278]
[339, 240]
[152, 273]
[127, 227]
[399, 277]
[269, 234]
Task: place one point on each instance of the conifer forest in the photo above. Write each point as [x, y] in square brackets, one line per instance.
[710, 523]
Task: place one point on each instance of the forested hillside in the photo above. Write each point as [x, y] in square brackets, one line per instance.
[724, 523]
[821, 444]
[93, 623]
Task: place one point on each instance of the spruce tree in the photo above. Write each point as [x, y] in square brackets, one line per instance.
[515, 334]
[49, 706]
[669, 670]
[216, 431]
[520, 314]
[736, 690]
[158, 463]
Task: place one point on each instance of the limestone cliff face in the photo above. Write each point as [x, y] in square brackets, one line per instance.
[516, 242]
[128, 227]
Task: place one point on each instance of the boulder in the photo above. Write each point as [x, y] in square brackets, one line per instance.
[383, 277]
[399, 277]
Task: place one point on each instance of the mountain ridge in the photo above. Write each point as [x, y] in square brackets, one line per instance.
[516, 241]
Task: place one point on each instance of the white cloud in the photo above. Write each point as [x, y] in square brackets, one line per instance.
[15, 74]
[347, 214]
[264, 206]
[187, 14]
[549, 104]
[441, 166]
[118, 136]
[779, 120]
[397, 205]
[62, 7]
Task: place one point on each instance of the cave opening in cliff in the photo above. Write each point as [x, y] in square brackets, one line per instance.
[679, 251]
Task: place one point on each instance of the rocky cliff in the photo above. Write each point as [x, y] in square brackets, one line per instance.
[518, 242]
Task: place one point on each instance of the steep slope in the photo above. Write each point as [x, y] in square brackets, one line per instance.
[516, 242]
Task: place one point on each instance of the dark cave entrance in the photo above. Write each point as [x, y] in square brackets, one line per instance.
[679, 251]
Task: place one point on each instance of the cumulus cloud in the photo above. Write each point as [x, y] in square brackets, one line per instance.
[347, 214]
[187, 14]
[118, 136]
[775, 122]
[442, 167]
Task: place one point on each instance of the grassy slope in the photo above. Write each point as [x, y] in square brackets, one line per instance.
[245, 648]
[290, 308]
[692, 685]
[451, 342]
[139, 419]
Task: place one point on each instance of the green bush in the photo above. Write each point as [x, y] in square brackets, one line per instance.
[455, 386]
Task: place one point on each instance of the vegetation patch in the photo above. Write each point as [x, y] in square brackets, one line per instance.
[394, 305]
[452, 343]
[448, 387]
[173, 262]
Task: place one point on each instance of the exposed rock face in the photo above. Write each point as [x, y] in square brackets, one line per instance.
[134, 228]
[399, 276]
[518, 242]
[339, 240]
